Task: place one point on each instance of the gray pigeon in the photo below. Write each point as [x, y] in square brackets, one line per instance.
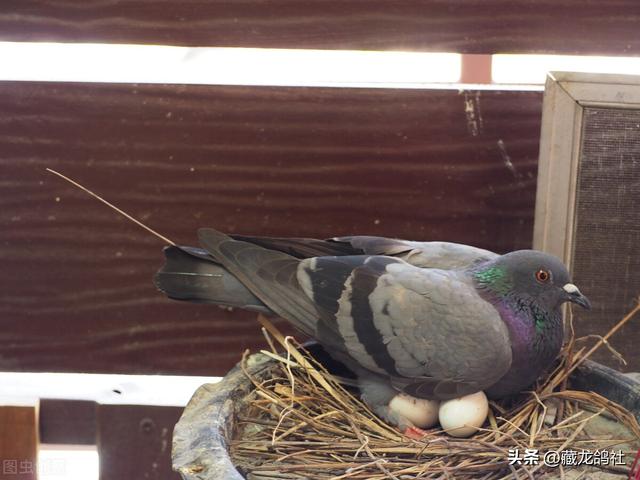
[435, 320]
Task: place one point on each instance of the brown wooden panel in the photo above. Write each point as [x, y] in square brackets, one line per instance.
[70, 422]
[468, 26]
[134, 441]
[18, 442]
[76, 291]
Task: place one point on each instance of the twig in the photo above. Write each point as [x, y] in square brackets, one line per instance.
[617, 327]
[113, 207]
[613, 351]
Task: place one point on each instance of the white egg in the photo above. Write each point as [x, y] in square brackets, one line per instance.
[461, 417]
[421, 413]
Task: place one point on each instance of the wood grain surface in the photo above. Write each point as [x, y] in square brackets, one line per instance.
[466, 26]
[68, 422]
[18, 442]
[134, 441]
[76, 290]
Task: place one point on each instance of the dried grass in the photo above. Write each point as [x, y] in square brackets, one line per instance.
[300, 422]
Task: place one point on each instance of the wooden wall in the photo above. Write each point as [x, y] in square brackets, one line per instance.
[466, 26]
[76, 293]
[76, 288]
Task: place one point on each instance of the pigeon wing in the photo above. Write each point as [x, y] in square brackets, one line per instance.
[270, 275]
[444, 255]
[427, 329]
[445, 340]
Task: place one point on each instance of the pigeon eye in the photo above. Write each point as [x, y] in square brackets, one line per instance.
[543, 276]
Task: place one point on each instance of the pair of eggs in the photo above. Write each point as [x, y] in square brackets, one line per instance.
[459, 417]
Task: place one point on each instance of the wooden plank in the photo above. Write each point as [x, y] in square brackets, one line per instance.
[18, 442]
[466, 26]
[76, 291]
[135, 441]
[71, 422]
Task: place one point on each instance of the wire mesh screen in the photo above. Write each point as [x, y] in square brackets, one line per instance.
[606, 249]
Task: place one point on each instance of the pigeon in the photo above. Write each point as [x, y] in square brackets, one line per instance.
[432, 320]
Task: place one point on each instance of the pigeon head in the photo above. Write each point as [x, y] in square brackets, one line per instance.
[530, 276]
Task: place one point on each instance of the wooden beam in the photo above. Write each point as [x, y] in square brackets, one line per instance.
[19, 442]
[465, 26]
[71, 422]
[134, 441]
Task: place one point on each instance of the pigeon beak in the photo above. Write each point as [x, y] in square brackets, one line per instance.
[574, 295]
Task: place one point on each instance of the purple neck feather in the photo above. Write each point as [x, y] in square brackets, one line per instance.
[532, 350]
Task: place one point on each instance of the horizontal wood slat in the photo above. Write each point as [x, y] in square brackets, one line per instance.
[76, 292]
[466, 26]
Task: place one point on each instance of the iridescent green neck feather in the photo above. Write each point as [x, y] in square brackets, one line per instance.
[495, 279]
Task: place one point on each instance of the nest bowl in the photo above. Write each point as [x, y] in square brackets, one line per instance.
[202, 436]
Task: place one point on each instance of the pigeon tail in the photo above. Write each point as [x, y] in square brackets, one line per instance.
[191, 274]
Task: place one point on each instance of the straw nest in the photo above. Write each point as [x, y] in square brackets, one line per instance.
[301, 423]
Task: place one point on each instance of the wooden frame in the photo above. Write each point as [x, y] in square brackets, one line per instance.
[566, 96]
[587, 185]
